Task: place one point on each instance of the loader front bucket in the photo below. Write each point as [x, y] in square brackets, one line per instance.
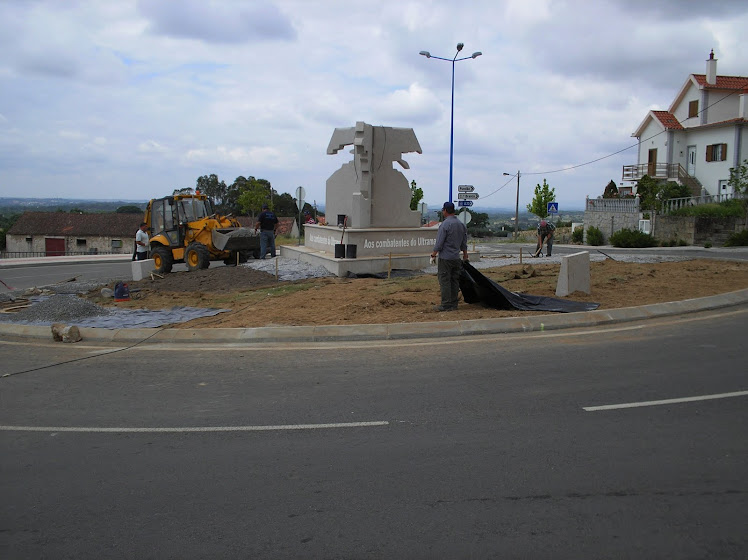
[235, 239]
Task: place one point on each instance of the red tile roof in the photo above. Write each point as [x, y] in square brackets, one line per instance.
[723, 82]
[105, 224]
[668, 120]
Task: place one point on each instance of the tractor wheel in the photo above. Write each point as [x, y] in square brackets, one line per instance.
[162, 259]
[256, 254]
[196, 256]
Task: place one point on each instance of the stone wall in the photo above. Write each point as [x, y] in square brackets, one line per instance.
[696, 230]
[610, 222]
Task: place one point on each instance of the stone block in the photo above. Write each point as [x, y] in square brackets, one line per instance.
[142, 269]
[574, 275]
[66, 333]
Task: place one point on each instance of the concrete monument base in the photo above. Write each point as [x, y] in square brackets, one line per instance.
[366, 265]
[372, 242]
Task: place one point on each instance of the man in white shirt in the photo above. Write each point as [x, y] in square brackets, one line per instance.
[141, 241]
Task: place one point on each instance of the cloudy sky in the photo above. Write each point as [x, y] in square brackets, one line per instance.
[130, 99]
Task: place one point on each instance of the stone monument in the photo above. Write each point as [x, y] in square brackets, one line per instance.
[367, 204]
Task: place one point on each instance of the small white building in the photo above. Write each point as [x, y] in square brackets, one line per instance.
[700, 137]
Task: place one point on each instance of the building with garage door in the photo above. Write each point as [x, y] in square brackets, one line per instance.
[61, 233]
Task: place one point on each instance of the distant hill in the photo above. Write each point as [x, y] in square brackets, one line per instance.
[17, 205]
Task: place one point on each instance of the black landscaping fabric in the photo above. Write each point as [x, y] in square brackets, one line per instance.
[477, 288]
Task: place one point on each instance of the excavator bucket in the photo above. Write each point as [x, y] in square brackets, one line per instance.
[235, 239]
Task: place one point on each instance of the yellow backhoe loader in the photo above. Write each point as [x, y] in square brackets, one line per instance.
[186, 228]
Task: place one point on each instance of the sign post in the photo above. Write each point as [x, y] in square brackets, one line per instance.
[300, 194]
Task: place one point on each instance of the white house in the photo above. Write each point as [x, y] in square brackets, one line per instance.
[700, 137]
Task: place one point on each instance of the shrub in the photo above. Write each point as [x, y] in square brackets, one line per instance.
[739, 239]
[631, 238]
[707, 244]
[594, 236]
[727, 209]
[577, 236]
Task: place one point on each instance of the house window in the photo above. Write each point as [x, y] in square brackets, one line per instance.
[693, 109]
[80, 243]
[29, 240]
[716, 152]
[116, 244]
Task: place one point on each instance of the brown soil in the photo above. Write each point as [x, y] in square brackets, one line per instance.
[256, 299]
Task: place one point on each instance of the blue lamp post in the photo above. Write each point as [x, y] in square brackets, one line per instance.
[454, 59]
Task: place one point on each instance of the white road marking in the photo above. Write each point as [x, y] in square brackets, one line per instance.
[666, 401]
[189, 429]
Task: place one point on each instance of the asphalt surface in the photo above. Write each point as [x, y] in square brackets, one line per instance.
[476, 447]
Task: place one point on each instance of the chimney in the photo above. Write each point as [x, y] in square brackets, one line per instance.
[743, 106]
[711, 69]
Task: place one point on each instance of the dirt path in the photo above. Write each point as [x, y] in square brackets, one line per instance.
[256, 299]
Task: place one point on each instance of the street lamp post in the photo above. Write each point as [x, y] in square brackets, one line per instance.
[454, 59]
[516, 208]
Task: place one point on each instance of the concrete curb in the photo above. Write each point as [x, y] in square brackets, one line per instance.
[395, 331]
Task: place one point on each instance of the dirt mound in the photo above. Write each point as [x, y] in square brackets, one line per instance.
[257, 299]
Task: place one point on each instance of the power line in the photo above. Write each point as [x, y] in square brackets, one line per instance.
[633, 145]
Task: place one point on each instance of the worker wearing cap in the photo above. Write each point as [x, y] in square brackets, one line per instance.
[450, 240]
[267, 222]
[545, 233]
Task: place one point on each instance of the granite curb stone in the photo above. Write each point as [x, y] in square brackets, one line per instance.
[394, 331]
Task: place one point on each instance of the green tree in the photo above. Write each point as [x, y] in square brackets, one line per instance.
[416, 195]
[543, 195]
[215, 189]
[253, 195]
[739, 183]
[478, 220]
[129, 209]
[611, 190]
[652, 192]
[739, 178]
[285, 205]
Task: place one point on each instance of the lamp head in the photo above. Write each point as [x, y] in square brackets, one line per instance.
[427, 54]
[459, 46]
[476, 54]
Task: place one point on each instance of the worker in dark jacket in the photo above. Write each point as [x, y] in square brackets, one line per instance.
[450, 240]
[267, 223]
[545, 233]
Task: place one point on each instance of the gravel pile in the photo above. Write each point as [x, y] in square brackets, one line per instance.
[58, 308]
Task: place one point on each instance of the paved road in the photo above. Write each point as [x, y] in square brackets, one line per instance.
[473, 448]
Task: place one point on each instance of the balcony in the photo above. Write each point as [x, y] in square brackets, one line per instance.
[664, 171]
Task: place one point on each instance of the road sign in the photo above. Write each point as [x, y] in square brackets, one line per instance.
[465, 203]
[553, 207]
[467, 196]
[300, 194]
[465, 216]
[465, 188]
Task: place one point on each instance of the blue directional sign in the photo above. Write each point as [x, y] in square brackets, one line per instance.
[464, 203]
[553, 207]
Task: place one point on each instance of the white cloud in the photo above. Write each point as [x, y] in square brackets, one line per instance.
[256, 88]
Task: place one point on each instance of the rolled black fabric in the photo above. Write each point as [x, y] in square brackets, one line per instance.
[477, 288]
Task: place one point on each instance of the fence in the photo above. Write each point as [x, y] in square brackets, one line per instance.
[626, 205]
[674, 204]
